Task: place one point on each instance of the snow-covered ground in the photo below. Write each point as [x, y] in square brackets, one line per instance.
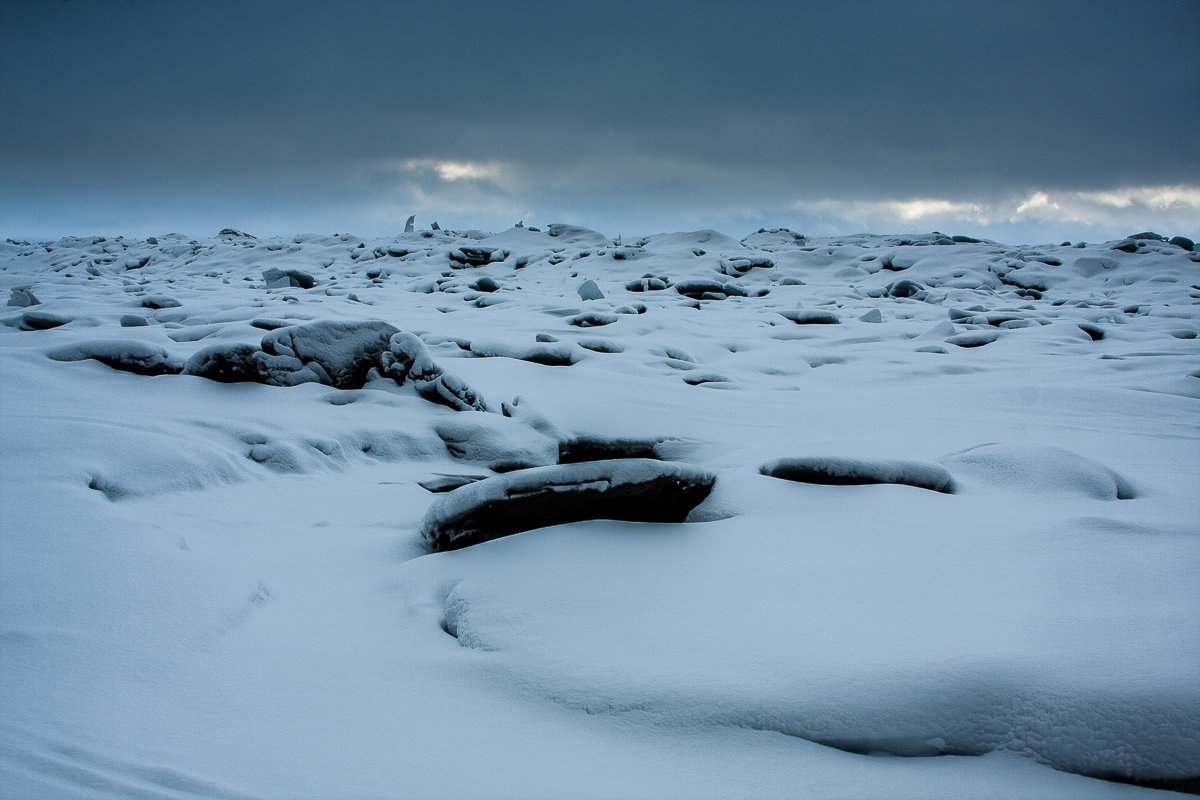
[951, 546]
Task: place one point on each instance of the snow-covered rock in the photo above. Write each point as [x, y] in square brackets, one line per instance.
[625, 489]
[340, 353]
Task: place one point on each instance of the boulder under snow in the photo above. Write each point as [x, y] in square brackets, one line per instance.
[639, 490]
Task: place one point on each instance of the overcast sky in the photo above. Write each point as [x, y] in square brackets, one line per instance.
[1022, 121]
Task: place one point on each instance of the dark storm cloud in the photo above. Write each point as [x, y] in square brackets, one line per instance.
[731, 109]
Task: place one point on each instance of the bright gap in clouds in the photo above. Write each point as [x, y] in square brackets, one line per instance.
[459, 170]
[1111, 213]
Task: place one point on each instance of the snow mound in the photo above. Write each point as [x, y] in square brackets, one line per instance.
[639, 490]
[128, 355]
[972, 338]
[501, 443]
[576, 235]
[1039, 469]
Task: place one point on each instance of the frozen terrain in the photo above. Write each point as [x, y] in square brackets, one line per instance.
[548, 514]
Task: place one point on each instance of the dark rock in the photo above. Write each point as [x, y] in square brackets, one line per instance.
[159, 301]
[1150, 236]
[801, 317]
[1184, 242]
[852, 472]
[965, 240]
[476, 255]
[271, 324]
[972, 338]
[696, 288]
[445, 483]
[648, 284]
[485, 284]
[598, 448]
[42, 320]
[737, 267]
[227, 363]
[547, 354]
[601, 345]
[133, 321]
[704, 378]
[1126, 246]
[904, 288]
[286, 278]
[640, 490]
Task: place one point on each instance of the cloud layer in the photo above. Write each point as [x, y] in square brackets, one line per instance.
[1071, 118]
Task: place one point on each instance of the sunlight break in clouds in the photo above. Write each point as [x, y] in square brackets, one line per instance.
[1174, 207]
[1159, 198]
[458, 170]
[1113, 212]
[893, 214]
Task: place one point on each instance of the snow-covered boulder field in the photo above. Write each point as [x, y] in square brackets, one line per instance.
[546, 513]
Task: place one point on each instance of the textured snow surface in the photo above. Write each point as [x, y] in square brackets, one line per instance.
[215, 572]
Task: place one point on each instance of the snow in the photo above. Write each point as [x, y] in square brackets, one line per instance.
[215, 577]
